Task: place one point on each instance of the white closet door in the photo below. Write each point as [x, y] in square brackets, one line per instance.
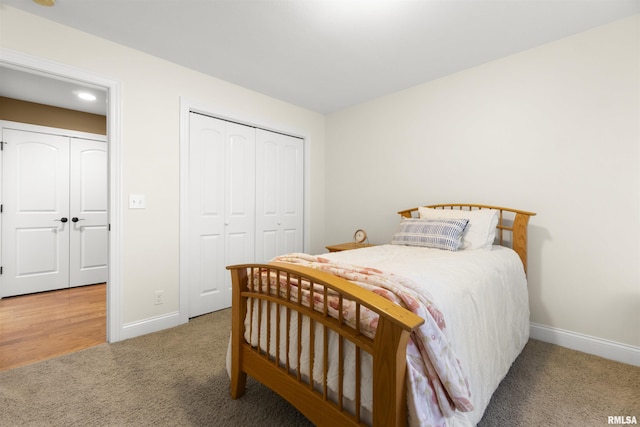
[279, 194]
[240, 195]
[206, 214]
[88, 210]
[221, 208]
[35, 219]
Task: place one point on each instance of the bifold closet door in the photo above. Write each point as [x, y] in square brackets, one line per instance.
[279, 194]
[35, 218]
[221, 208]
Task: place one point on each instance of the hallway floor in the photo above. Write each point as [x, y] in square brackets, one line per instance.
[40, 326]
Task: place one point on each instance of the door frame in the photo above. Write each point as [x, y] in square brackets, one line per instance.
[188, 106]
[54, 70]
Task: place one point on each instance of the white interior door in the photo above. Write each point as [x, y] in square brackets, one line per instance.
[35, 219]
[88, 210]
[240, 195]
[221, 208]
[206, 214]
[292, 200]
[279, 194]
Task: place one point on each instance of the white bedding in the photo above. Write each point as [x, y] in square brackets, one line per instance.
[483, 296]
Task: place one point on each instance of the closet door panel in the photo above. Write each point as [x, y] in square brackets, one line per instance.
[268, 244]
[206, 215]
[240, 193]
[292, 194]
[279, 194]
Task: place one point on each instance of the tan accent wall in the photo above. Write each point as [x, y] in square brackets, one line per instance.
[44, 115]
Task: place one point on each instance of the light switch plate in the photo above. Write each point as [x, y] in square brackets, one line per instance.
[136, 201]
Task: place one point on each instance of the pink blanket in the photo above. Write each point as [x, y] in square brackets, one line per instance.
[435, 381]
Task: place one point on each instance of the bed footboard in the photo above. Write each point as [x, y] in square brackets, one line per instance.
[269, 298]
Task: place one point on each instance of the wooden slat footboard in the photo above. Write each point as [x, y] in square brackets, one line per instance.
[273, 289]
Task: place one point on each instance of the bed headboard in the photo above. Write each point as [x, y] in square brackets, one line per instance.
[512, 225]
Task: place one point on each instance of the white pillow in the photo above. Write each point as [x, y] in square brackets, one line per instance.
[481, 230]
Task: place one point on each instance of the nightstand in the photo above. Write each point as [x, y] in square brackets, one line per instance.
[347, 246]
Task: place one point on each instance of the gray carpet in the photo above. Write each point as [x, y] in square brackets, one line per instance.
[177, 377]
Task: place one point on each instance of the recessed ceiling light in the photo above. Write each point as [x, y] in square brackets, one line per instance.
[86, 96]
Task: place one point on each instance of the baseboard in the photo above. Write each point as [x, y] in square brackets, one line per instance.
[152, 324]
[587, 344]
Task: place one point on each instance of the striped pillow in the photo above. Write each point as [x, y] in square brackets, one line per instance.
[481, 230]
[431, 233]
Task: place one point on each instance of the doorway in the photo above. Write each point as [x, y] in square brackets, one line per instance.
[61, 72]
[54, 198]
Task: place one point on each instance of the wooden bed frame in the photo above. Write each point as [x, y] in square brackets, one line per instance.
[511, 229]
[387, 348]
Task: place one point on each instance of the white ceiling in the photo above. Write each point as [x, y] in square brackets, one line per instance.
[326, 55]
[18, 84]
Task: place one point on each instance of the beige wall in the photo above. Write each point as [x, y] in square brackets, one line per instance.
[151, 89]
[554, 130]
[44, 115]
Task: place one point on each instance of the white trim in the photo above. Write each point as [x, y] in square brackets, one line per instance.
[152, 324]
[8, 124]
[183, 280]
[187, 106]
[57, 70]
[587, 344]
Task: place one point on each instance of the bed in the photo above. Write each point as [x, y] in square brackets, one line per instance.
[421, 330]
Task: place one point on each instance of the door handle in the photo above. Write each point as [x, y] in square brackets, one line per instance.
[76, 219]
[63, 219]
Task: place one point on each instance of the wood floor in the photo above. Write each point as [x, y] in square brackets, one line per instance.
[49, 324]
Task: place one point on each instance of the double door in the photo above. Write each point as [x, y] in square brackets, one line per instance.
[245, 204]
[54, 212]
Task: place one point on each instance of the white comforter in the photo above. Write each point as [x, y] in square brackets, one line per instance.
[483, 296]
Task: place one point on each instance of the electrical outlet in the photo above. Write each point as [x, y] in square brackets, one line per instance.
[157, 297]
